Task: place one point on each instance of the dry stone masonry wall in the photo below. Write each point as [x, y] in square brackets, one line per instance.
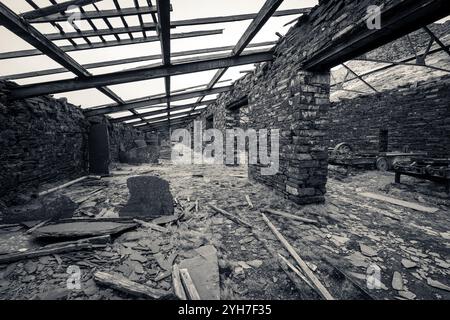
[45, 140]
[416, 116]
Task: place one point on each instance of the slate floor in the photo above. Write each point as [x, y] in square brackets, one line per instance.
[353, 235]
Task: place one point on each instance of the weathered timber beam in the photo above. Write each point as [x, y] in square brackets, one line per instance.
[258, 22]
[136, 75]
[235, 18]
[269, 7]
[163, 117]
[100, 32]
[108, 44]
[391, 65]
[397, 20]
[164, 36]
[158, 112]
[53, 9]
[31, 35]
[436, 39]
[28, 33]
[98, 14]
[153, 100]
[128, 60]
[164, 124]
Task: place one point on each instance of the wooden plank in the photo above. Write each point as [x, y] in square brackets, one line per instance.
[289, 216]
[250, 204]
[163, 117]
[108, 44]
[189, 285]
[152, 100]
[176, 283]
[100, 32]
[89, 15]
[323, 291]
[152, 226]
[296, 271]
[56, 8]
[269, 7]
[82, 229]
[274, 254]
[65, 185]
[45, 251]
[158, 112]
[235, 18]
[120, 77]
[164, 32]
[405, 204]
[124, 285]
[41, 224]
[128, 60]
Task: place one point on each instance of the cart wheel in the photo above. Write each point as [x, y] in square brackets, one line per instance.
[343, 148]
[382, 164]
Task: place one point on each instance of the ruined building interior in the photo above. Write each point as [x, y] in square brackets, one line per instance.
[107, 109]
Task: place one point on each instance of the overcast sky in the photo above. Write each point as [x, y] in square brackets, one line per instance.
[182, 9]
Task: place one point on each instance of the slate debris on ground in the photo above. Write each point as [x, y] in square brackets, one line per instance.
[355, 233]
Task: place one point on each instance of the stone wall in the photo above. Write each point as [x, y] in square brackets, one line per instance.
[122, 135]
[45, 140]
[41, 140]
[282, 95]
[416, 116]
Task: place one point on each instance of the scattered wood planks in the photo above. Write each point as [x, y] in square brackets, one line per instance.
[176, 283]
[323, 291]
[84, 244]
[406, 204]
[40, 224]
[189, 285]
[274, 254]
[249, 201]
[122, 284]
[152, 226]
[43, 193]
[290, 216]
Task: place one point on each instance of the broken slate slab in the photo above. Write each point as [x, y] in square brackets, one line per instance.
[204, 271]
[82, 229]
[437, 284]
[407, 295]
[408, 264]
[397, 281]
[149, 196]
[367, 251]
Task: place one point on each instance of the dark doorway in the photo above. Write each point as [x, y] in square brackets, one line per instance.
[210, 122]
[384, 140]
[99, 156]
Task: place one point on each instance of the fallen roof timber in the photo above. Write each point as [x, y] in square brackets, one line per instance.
[130, 60]
[136, 75]
[108, 44]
